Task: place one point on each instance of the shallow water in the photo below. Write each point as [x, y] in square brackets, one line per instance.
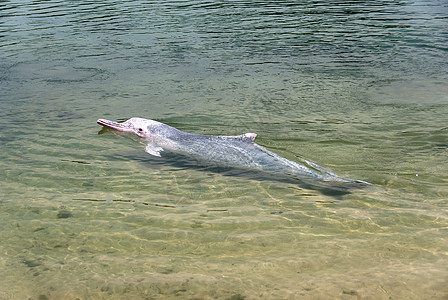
[359, 88]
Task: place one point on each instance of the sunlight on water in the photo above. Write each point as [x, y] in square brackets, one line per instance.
[359, 88]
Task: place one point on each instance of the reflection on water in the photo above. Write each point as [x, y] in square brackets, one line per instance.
[359, 88]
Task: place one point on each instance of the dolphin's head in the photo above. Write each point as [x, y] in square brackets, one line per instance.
[142, 127]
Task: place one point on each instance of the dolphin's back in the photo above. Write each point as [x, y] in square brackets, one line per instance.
[239, 152]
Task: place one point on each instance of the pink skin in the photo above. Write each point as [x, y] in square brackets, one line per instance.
[137, 126]
[124, 127]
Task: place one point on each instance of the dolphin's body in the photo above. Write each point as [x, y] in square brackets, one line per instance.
[228, 151]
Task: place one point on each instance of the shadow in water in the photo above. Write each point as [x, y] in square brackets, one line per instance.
[181, 162]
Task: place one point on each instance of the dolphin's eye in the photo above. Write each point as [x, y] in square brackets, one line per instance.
[140, 129]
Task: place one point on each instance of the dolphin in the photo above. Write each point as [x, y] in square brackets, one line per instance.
[239, 151]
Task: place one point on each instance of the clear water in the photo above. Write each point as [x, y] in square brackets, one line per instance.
[357, 87]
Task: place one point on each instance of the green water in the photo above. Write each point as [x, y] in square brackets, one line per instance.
[357, 87]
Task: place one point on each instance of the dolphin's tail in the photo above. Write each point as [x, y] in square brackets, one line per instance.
[319, 168]
[332, 177]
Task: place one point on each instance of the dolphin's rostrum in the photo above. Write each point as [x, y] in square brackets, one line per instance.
[229, 151]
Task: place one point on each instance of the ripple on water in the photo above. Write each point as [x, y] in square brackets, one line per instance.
[355, 87]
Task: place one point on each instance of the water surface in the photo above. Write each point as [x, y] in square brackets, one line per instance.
[357, 87]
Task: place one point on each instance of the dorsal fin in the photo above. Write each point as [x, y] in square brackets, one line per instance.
[248, 136]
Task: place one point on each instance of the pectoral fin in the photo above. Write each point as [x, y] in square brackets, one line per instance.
[153, 150]
[249, 136]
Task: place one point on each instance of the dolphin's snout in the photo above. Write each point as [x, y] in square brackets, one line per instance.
[114, 125]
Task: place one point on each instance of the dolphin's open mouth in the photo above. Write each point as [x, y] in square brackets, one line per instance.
[114, 125]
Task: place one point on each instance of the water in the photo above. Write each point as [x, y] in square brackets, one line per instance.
[357, 87]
